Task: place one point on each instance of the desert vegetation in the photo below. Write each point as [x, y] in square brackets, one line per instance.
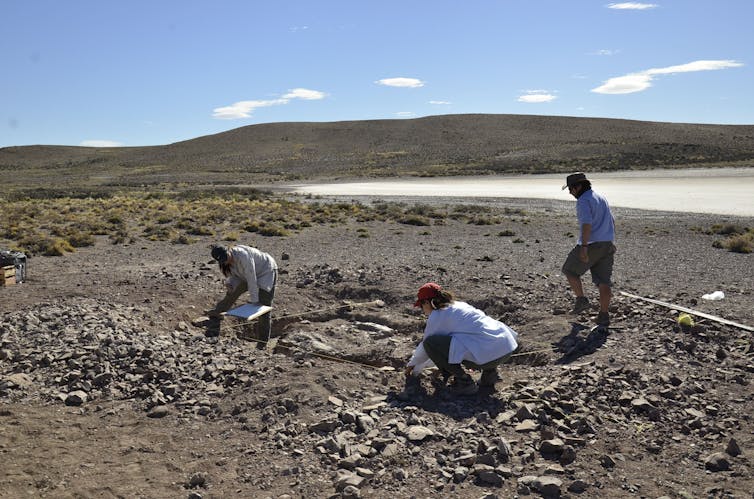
[54, 222]
[738, 239]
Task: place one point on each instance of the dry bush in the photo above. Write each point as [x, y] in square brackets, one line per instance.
[417, 220]
[738, 243]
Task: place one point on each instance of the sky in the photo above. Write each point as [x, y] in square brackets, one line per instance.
[150, 72]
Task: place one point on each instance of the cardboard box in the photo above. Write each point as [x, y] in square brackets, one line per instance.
[9, 271]
[8, 277]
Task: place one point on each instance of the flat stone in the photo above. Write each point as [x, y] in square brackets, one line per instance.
[158, 411]
[418, 433]
[20, 380]
[527, 425]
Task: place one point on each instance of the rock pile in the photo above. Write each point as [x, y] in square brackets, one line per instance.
[88, 351]
[551, 430]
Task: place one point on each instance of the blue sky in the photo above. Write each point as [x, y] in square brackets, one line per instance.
[137, 72]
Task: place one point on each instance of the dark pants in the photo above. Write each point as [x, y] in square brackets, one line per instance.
[438, 348]
[601, 256]
[264, 323]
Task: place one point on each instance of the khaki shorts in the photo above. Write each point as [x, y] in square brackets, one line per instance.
[600, 262]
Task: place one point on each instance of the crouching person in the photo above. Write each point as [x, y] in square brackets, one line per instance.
[458, 335]
[246, 269]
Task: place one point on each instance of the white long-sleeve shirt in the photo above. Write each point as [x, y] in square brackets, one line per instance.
[255, 267]
[476, 337]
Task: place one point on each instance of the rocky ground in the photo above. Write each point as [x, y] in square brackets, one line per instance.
[112, 385]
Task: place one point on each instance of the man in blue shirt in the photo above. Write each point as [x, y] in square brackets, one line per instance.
[595, 247]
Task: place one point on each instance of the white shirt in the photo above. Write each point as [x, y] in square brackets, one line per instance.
[255, 267]
[476, 337]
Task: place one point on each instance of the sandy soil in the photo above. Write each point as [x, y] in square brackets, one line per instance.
[637, 413]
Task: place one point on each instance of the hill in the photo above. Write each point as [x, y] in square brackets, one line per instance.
[435, 145]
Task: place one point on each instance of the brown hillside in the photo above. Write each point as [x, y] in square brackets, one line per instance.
[436, 145]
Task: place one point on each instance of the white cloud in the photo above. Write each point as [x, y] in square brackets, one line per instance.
[631, 6]
[245, 108]
[100, 143]
[303, 93]
[696, 66]
[536, 97]
[439, 102]
[401, 82]
[405, 114]
[642, 80]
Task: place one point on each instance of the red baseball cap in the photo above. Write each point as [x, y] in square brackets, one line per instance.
[427, 292]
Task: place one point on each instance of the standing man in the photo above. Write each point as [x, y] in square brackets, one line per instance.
[246, 269]
[595, 247]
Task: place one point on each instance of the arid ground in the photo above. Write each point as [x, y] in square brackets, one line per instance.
[112, 384]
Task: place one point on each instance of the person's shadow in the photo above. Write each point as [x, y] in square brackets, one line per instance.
[574, 345]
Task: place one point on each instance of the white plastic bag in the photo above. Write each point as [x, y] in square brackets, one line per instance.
[717, 295]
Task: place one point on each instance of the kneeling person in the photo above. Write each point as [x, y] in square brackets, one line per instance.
[457, 333]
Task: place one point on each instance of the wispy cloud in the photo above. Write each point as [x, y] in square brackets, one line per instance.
[642, 80]
[605, 52]
[401, 82]
[405, 114]
[536, 97]
[631, 6]
[245, 108]
[100, 143]
[440, 103]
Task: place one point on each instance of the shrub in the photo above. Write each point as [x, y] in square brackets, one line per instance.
[414, 220]
[727, 229]
[506, 233]
[183, 239]
[57, 247]
[483, 221]
[79, 239]
[272, 230]
[738, 243]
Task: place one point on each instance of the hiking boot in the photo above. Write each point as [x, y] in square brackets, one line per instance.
[213, 314]
[603, 319]
[440, 378]
[489, 378]
[581, 304]
[413, 388]
[463, 385]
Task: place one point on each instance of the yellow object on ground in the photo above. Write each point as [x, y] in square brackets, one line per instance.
[685, 320]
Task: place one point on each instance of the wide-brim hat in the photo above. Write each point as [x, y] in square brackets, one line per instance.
[574, 179]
